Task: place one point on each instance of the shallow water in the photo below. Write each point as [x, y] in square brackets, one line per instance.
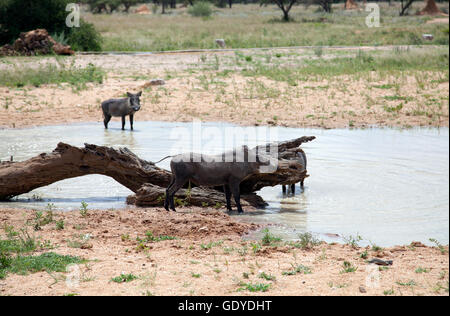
[389, 186]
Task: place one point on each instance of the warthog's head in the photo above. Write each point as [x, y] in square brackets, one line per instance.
[135, 101]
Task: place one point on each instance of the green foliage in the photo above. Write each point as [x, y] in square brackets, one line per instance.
[47, 74]
[84, 209]
[348, 267]
[200, 9]
[269, 238]
[299, 269]
[84, 38]
[18, 16]
[124, 278]
[50, 262]
[259, 287]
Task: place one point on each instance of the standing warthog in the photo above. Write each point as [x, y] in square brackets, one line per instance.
[300, 156]
[122, 108]
[213, 171]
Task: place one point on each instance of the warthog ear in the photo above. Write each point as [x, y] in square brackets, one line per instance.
[139, 94]
[129, 94]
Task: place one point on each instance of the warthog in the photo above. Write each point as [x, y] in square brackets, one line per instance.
[300, 156]
[213, 171]
[122, 108]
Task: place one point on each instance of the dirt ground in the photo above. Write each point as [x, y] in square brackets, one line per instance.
[210, 257]
[414, 99]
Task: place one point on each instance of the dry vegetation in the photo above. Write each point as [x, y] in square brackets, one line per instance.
[321, 87]
[246, 26]
[127, 253]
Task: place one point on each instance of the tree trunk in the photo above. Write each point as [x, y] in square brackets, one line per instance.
[405, 7]
[125, 167]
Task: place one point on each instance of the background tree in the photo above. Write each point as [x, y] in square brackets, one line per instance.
[284, 5]
[405, 7]
[25, 15]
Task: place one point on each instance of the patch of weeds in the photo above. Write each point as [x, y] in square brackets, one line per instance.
[269, 238]
[397, 98]
[77, 77]
[348, 267]
[59, 225]
[84, 209]
[376, 248]
[438, 245]
[364, 255]
[259, 287]
[307, 241]
[388, 292]
[393, 109]
[422, 270]
[124, 278]
[210, 245]
[245, 275]
[40, 220]
[50, 262]
[267, 277]
[352, 240]
[409, 283]
[256, 247]
[299, 269]
[149, 237]
[196, 275]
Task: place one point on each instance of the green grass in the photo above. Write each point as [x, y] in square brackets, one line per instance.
[246, 26]
[410, 283]
[269, 238]
[299, 269]
[408, 60]
[348, 267]
[77, 77]
[149, 237]
[267, 277]
[258, 287]
[50, 262]
[124, 278]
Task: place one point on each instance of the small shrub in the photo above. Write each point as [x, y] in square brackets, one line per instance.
[200, 9]
[269, 238]
[260, 287]
[124, 278]
[84, 38]
[348, 267]
[84, 209]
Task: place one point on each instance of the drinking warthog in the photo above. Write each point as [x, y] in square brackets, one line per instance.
[300, 156]
[122, 108]
[213, 171]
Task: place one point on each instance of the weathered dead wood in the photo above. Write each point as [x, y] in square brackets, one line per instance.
[67, 161]
[125, 167]
[153, 195]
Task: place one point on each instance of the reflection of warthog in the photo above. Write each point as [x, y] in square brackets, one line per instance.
[213, 171]
[122, 108]
[300, 156]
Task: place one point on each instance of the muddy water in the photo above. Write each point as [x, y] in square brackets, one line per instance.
[389, 186]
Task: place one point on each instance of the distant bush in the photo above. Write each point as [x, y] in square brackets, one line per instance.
[84, 38]
[200, 9]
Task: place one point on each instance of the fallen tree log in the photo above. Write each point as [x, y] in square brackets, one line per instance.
[67, 162]
[153, 195]
[125, 167]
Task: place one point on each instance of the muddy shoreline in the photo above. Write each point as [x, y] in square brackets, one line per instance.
[208, 256]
